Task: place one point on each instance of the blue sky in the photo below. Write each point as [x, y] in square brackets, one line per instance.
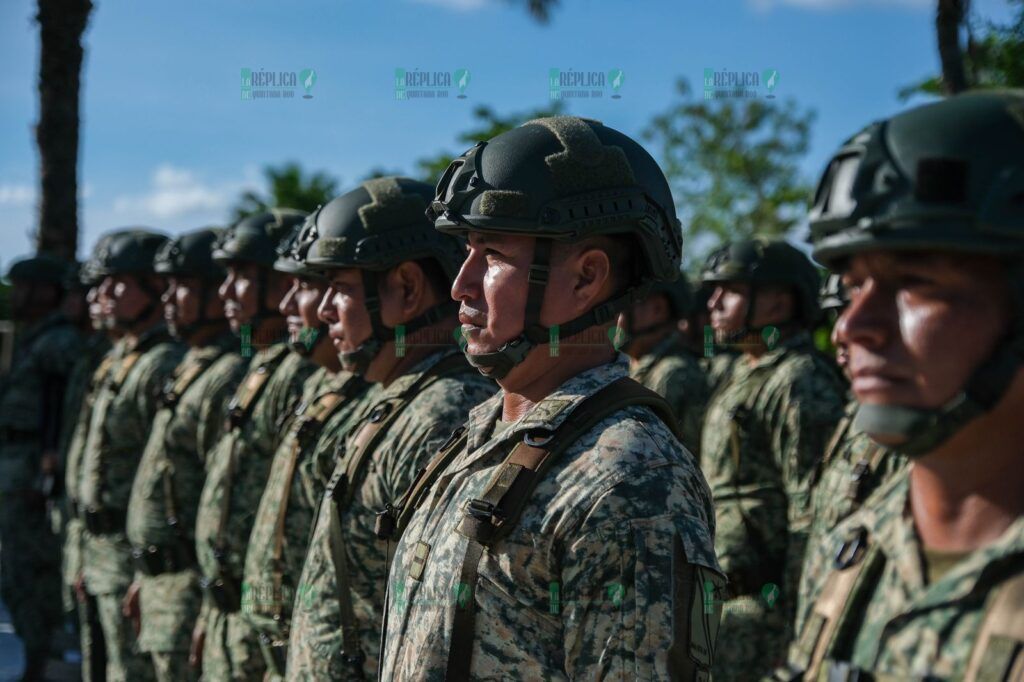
[168, 142]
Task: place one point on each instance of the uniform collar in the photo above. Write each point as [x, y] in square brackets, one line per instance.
[891, 526]
[671, 344]
[549, 413]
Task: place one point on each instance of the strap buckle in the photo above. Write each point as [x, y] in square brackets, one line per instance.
[852, 549]
[482, 510]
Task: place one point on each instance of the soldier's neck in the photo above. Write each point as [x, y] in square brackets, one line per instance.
[966, 493]
[540, 374]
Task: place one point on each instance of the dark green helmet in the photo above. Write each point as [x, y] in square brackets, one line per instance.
[88, 274]
[679, 294]
[562, 178]
[255, 239]
[373, 228]
[762, 261]
[291, 260]
[946, 176]
[833, 296]
[43, 268]
[128, 252]
[190, 255]
[291, 253]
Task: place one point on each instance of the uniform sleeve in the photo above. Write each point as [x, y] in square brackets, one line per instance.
[806, 416]
[685, 387]
[635, 607]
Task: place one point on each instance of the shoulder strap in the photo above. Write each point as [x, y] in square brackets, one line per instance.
[998, 652]
[491, 517]
[251, 388]
[121, 373]
[342, 486]
[857, 567]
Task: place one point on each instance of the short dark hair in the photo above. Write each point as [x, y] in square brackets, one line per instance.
[621, 250]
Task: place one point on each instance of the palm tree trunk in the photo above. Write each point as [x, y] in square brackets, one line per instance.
[948, 18]
[61, 24]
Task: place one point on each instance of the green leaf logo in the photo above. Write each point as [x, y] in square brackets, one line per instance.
[770, 335]
[770, 592]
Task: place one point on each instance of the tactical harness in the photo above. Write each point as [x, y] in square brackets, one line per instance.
[997, 654]
[224, 589]
[489, 519]
[344, 482]
[101, 520]
[309, 423]
[153, 560]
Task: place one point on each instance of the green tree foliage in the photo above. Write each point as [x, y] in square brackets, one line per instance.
[487, 124]
[289, 187]
[733, 166]
[993, 58]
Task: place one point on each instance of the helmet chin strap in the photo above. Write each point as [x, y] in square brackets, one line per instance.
[918, 431]
[358, 361]
[184, 332]
[499, 363]
[310, 338]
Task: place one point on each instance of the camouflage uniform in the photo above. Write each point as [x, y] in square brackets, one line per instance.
[576, 589]
[853, 467]
[315, 647]
[718, 367]
[236, 474]
[907, 627]
[763, 435]
[86, 376]
[167, 486]
[280, 533]
[122, 416]
[29, 550]
[671, 370]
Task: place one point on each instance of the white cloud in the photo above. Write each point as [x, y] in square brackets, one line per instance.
[176, 193]
[17, 194]
[825, 5]
[457, 5]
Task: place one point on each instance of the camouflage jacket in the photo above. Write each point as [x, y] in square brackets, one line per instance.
[718, 366]
[330, 404]
[765, 430]
[315, 645]
[673, 371]
[30, 399]
[238, 465]
[582, 586]
[93, 350]
[188, 425]
[126, 404]
[908, 629]
[72, 555]
[854, 466]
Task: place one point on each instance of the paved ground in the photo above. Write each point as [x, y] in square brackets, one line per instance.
[11, 658]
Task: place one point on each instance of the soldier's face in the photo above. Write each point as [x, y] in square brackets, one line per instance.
[123, 299]
[919, 323]
[181, 301]
[240, 293]
[344, 312]
[728, 306]
[492, 288]
[92, 298]
[300, 304]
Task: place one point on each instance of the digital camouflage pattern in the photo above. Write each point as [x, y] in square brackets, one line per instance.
[909, 629]
[167, 485]
[848, 475]
[673, 372]
[314, 649]
[126, 404]
[581, 587]
[718, 367]
[295, 486]
[764, 432]
[236, 474]
[30, 565]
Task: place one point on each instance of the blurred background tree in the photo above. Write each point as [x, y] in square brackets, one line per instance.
[288, 186]
[733, 165]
